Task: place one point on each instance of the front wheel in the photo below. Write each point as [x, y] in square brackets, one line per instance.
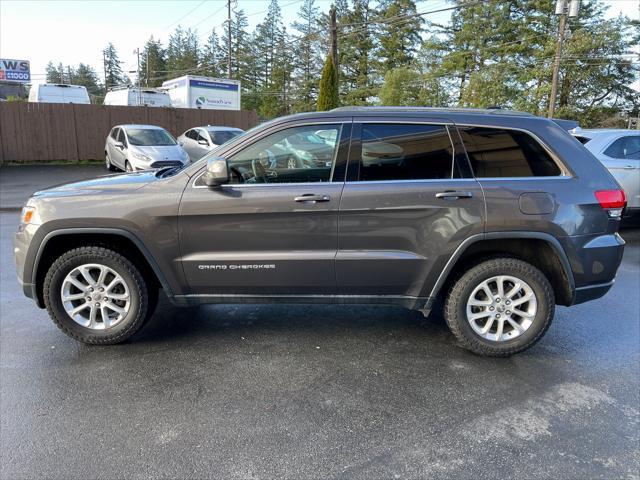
[107, 160]
[96, 296]
[500, 307]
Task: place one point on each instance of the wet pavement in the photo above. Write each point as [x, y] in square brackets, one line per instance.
[319, 392]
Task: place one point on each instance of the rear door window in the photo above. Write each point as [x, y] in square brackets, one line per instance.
[625, 148]
[496, 152]
[399, 151]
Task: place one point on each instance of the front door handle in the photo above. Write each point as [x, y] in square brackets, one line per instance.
[311, 198]
[454, 194]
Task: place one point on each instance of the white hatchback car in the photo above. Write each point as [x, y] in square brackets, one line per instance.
[199, 141]
[619, 151]
[142, 147]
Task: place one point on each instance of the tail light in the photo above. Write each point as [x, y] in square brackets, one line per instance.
[613, 201]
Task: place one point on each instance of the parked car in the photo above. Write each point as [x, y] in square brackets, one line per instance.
[619, 151]
[147, 97]
[502, 215]
[201, 140]
[142, 147]
[58, 93]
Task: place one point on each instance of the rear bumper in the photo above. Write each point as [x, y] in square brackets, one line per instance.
[631, 217]
[591, 292]
[594, 262]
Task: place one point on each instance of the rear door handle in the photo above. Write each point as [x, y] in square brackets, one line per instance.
[310, 197]
[454, 194]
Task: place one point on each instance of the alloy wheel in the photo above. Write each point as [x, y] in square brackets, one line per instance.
[501, 308]
[95, 296]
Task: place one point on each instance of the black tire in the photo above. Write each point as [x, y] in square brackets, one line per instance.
[127, 166]
[142, 299]
[455, 308]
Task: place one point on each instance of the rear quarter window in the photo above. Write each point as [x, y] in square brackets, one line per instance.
[495, 152]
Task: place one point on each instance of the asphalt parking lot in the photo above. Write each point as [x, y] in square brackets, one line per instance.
[319, 392]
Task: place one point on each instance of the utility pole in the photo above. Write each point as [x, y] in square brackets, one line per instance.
[333, 30]
[137, 52]
[104, 67]
[561, 9]
[229, 39]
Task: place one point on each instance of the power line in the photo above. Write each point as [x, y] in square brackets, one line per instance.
[185, 15]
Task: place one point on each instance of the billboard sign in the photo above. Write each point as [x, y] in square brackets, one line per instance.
[14, 70]
[207, 94]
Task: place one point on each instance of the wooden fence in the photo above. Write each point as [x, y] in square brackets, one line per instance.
[40, 132]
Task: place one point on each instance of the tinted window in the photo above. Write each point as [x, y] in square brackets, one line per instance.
[405, 152]
[625, 148]
[222, 136]
[278, 158]
[495, 152]
[191, 134]
[114, 133]
[582, 140]
[145, 137]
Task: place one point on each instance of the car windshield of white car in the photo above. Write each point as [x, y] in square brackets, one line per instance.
[146, 137]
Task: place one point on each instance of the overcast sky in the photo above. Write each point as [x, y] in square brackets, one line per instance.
[76, 31]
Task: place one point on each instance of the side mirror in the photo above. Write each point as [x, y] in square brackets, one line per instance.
[203, 142]
[217, 172]
[119, 145]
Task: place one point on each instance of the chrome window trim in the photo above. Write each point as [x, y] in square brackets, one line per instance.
[422, 180]
[564, 171]
[286, 126]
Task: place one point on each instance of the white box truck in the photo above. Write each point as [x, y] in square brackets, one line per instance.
[58, 93]
[147, 97]
[203, 92]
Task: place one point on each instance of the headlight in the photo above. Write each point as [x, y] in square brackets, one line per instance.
[142, 156]
[26, 215]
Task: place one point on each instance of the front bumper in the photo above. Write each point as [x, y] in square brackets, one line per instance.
[24, 268]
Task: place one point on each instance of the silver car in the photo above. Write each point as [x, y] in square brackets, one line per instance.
[199, 141]
[142, 147]
[619, 151]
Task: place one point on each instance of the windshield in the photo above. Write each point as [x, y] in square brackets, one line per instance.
[221, 136]
[147, 137]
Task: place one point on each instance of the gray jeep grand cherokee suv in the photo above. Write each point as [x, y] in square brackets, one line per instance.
[502, 215]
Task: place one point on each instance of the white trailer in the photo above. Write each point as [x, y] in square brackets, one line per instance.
[203, 92]
[147, 97]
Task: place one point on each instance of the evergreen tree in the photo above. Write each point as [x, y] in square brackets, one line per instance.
[402, 87]
[87, 77]
[113, 68]
[153, 64]
[399, 35]
[328, 91]
[54, 74]
[356, 40]
[183, 52]
[212, 61]
[307, 56]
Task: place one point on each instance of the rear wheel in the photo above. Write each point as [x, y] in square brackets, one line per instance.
[500, 307]
[97, 296]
